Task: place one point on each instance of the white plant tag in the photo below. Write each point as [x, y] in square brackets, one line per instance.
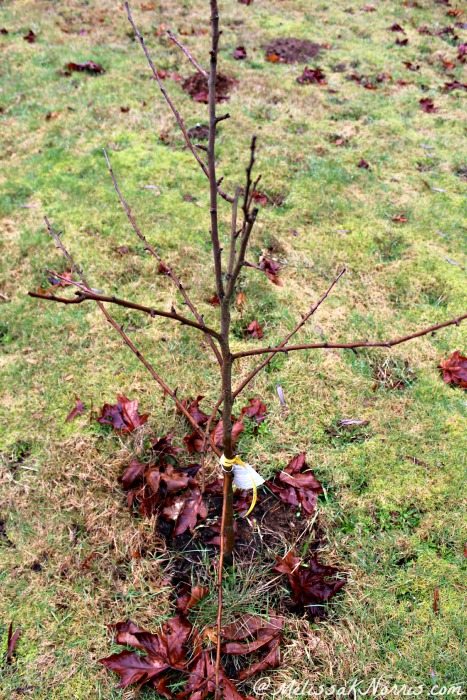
[246, 478]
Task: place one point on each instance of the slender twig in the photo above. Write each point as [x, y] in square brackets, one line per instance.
[245, 239]
[312, 310]
[187, 53]
[84, 295]
[216, 249]
[153, 251]
[167, 390]
[354, 344]
[175, 112]
[233, 234]
[248, 189]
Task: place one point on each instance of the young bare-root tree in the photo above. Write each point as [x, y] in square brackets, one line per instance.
[229, 260]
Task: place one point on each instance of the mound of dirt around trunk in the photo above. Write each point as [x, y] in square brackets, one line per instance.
[197, 87]
[291, 50]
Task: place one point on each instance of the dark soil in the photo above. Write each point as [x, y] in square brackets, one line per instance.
[199, 132]
[291, 50]
[272, 529]
[197, 87]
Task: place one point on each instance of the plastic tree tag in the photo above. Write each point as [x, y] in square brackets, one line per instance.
[245, 477]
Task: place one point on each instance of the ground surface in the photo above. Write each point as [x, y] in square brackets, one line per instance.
[70, 554]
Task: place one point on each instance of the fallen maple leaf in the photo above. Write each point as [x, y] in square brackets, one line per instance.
[12, 641]
[77, 410]
[297, 485]
[122, 416]
[312, 76]
[30, 37]
[87, 67]
[250, 633]
[454, 85]
[396, 28]
[400, 219]
[362, 163]
[191, 597]
[65, 279]
[271, 268]
[427, 105]
[256, 410]
[254, 330]
[312, 585]
[239, 53]
[260, 198]
[454, 369]
[192, 407]
[165, 650]
[218, 432]
[184, 509]
[411, 66]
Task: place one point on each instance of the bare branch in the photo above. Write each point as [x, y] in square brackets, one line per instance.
[128, 342]
[87, 295]
[216, 250]
[244, 240]
[168, 270]
[189, 56]
[248, 189]
[233, 234]
[313, 308]
[175, 112]
[355, 344]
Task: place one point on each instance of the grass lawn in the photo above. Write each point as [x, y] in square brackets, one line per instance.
[72, 558]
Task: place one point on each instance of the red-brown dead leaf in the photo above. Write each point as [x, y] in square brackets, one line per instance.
[192, 407]
[165, 650]
[270, 661]
[77, 410]
[400, 219]
[260, 198]
[427, 105]
[256, 410]
[312, 585]
[239, 53]
[30, 37]
[454, 369]
[254, 330]
[271, 268]
[191, 597]
[214, 300]
[87, 67]
[122, 416]
[297, 485]
[64, 280]
[396, 28]
[362, 163]
[312, 76]
[240, 301]
[184, 509]
[218, 432]
[12, 641]
[454, 85]
[436, 601]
